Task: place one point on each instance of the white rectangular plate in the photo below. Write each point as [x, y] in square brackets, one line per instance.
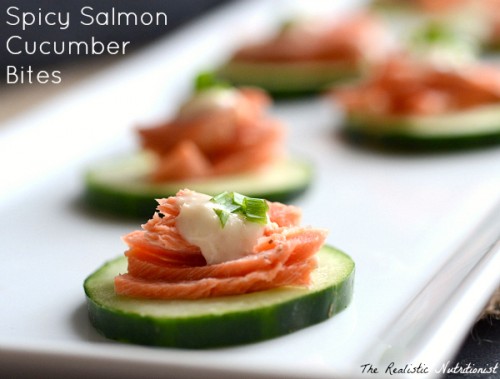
[416, 225]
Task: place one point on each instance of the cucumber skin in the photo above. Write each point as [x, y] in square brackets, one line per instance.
[400, 141]
[234, 328]
[109, 199]
[120, 204]
[129, 205]
[283, 91]
[396, 142]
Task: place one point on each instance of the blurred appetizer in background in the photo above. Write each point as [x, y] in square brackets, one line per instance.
[306, 56]
[221, 138]
[408, 103]
[214, 271]
[440, 43]
[475, 19]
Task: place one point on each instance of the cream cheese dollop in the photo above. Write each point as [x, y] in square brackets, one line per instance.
[209, 100]
[199, 225]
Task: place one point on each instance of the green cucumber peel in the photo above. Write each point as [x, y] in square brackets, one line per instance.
[119, 185]
[220, 321]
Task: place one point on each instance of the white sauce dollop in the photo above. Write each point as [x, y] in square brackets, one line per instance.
[207, 100]
[200, 226]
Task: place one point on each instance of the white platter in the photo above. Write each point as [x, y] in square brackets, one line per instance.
[418, 226]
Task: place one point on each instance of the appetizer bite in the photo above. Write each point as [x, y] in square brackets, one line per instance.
[409, 103]
[215, 271]
[306, 56]
[440, 43]
[221, 138]
[479, 19]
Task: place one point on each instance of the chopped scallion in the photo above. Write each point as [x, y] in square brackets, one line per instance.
[207, 80]
[253, 209]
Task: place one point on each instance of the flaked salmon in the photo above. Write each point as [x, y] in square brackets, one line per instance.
[219, 131]
[162, 265]
[401, 86]
[297, 274]
[355, 39]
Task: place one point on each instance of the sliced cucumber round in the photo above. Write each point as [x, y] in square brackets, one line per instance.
[121, 186]
[471, 128]
[222, 321]
[287, 79]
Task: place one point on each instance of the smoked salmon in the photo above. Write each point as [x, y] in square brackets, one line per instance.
[405, 87]
[219, 131]
[306, 56]
[352, 40]
[163, 265]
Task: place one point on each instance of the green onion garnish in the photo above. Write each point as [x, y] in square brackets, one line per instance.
[206, 80]
[288, 24]
[435, 33]
[253, 209]
[223, 216]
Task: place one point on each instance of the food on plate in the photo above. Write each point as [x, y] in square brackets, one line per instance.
[440, 43]
[306, 56]
[214, 271]
[410, 103]
[221, 138]
[478, 18]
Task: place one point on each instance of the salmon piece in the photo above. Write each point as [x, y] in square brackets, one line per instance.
[250, 159]
[168, 272]
[209, 132]
[161, 256]
[161, 229]
[184, 161]
[255, 146]
[218, 140]
[484, 82]
[405, 87]
[169, 208]
[482, 7]
[159, 234]
[162, 265]
[443, 6]
[297, 274]
[147, 268]
[298, 245]
[305, 241]
[256, 98]
[161, 238]
[169, 240]
[428, 102]
[284, 215]
[359, 37]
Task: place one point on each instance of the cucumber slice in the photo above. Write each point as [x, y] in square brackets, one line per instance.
[471, 128]
[287, 79]
[120, 185]
[219, 321]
